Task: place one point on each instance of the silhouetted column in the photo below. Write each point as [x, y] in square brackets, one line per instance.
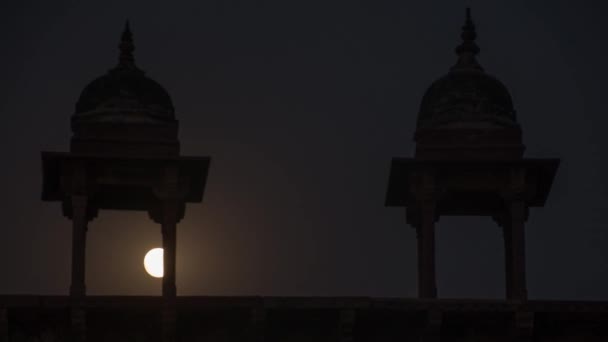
[516, 250]
[169, 316]
[169, 222]
[77, 287]
[79, 231]
[507, 238]
[427, 286]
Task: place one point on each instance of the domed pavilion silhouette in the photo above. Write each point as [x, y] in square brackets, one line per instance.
[124, 112]
[469, 162]
[124, 155]
[467, 114]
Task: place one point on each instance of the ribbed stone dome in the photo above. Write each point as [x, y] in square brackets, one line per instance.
[124, 94]
[467, 113]
[466, 95]
[125, 113]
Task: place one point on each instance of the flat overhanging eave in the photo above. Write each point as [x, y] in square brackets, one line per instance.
[399, 192]
[53, 163]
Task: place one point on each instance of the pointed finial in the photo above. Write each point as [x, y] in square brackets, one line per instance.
[126, 46]
[467, 50]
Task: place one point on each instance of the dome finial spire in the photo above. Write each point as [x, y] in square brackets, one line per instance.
[468, 49]
[126, 46]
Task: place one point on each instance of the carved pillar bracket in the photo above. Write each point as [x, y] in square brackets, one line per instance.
[427, 214]
[346, 327]
[171, 185]
[257, 327]
[170, 190]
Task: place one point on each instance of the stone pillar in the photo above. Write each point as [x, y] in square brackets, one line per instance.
[77, 287]
[169, 223]
[515, 258]
[79, 232]
[168, 210]
[507, 239]
[513, 219]
[425, 232]
[169, 290]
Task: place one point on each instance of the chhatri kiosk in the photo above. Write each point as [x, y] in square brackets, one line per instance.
[124, 155]
[469, 162]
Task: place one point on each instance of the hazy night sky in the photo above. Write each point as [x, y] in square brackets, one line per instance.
[301, 106]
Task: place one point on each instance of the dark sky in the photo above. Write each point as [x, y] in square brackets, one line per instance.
[302, 105]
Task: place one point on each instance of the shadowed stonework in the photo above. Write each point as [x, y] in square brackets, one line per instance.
[31, 318]
[469, 161]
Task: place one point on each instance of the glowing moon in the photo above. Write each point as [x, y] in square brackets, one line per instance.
[153, 262]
